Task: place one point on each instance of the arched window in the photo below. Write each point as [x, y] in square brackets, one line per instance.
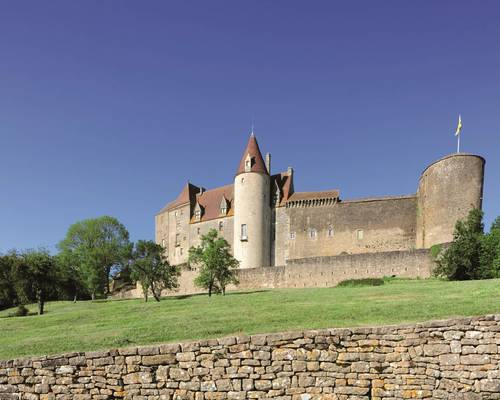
[221, 226]
[313, 233]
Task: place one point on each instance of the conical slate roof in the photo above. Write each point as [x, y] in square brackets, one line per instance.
[258, 164]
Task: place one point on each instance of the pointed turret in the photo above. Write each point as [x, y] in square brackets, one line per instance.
[252, 209]
[252, 160]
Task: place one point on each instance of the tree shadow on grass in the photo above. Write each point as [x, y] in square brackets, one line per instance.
[228, 294]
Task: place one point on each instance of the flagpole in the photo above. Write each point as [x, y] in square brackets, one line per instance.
[458, 144]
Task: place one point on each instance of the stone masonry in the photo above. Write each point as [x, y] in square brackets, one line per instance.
[452, 359]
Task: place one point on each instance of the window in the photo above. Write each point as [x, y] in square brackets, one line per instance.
[198, 231]
[244, 234]
[180, 251]
[175, 213]
[221, 226]
[313, 233]
[197, 214]
[248, 163]
[330, 231]
[163, 242]
[223, 206]
[177, 239]
[292, 235]
[359, 234]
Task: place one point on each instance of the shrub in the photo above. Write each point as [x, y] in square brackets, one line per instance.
[436, 250]
[361, 282]
[21, 311]
[461, 260]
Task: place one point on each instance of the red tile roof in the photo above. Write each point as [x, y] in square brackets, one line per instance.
[284, 180]
[188, 195]
[210, 201]
[258, 164]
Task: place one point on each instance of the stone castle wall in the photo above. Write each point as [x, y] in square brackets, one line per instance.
[357, 226]
[453, 359]
[316, 272]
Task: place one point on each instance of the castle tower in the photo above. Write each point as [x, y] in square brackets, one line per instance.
[448, 189]
[252, 209]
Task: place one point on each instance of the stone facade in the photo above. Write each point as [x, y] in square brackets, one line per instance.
[267, 223]
[453, 359]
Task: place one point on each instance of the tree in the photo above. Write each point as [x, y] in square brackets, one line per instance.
[217, 265]
[150, 267]
[36, 277]
[71, 285]
[490, 252]
[98, 247]
[8, 297]
[462, 259]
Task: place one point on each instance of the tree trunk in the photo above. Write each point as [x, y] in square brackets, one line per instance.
[209, 290]
[155, 295]
[40, 302]
[108, 271]
[223, 290]
[93, 295]
[74, 298]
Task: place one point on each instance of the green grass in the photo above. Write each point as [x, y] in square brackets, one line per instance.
[120, 323]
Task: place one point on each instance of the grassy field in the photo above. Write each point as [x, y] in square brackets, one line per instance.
[120, 323]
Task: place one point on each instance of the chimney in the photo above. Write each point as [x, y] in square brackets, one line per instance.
[268, 163]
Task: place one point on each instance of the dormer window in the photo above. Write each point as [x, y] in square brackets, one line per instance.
[223, 206]
[197, 212]
[248, 163]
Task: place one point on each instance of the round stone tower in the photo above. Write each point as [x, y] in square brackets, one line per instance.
[252, 209]
[448, 189]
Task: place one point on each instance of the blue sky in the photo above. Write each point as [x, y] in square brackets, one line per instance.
[108, 107]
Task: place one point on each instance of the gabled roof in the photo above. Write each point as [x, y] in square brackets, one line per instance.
[188, 195]
[258, 164]
[284, 181]
[210, 201]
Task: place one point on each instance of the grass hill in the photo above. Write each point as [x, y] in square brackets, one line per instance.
[120, 323]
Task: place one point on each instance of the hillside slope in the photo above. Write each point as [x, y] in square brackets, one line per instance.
[119, 323]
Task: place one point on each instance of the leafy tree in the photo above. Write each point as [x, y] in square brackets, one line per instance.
[462, 259]
[36, 277]
[71, 285]
[150, 267]
[97, 247]
[217, 265]
[8, 296]
[490, 254]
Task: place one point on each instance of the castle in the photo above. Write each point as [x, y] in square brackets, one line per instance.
[268, 223]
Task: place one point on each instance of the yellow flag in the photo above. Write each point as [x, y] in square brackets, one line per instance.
[459, 126]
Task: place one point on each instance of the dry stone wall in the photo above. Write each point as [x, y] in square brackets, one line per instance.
[453, 359]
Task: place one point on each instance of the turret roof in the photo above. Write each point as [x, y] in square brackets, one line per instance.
[258, 164]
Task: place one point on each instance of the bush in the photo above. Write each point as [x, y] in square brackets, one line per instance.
[472, 254]
[21, 311]
[436, 251]
[361, 282]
